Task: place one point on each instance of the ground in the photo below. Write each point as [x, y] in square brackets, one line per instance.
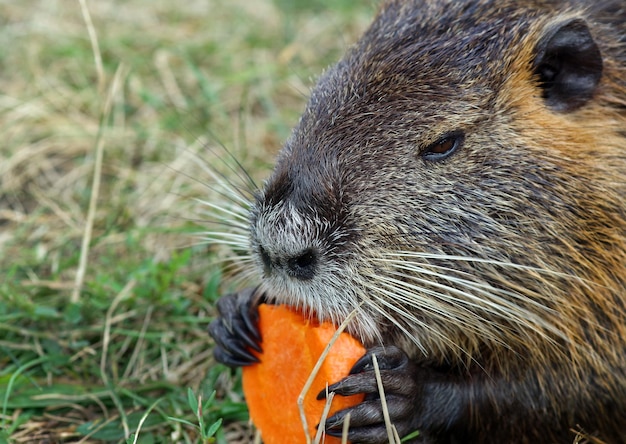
[110, 113]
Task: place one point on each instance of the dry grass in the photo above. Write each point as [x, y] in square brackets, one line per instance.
[105, 294]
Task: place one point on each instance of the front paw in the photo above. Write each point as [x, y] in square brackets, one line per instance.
[235, 330]
[367, 422]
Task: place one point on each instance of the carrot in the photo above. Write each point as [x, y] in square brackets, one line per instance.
[291, 347]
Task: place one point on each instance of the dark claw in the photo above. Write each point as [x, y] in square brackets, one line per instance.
[398, 376]
[369, 412]
[351, 385]
[388, 358]
[248, 331]
[366, 423]
[250, 316]
[248, 339]
[363, 435]
[231, 361]
[391, 362]
[238, 348]
[366, 383]
[227, 348]
[235, 330]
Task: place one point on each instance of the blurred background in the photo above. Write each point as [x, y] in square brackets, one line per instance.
[110, 113]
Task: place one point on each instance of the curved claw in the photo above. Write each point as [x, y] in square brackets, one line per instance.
[230, 344]
[393, 363]
[235, 331]
[363, 435]
[249, 331]
[367, 421]
[247, 337]
[393, 382]
[232, 361]
[388, 358]
[249, 313]
[227, 350]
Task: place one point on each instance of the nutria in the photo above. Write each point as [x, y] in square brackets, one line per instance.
[459, 179]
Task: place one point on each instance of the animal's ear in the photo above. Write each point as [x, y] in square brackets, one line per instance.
[568, 64]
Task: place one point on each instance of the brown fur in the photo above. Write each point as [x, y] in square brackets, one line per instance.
[501, 269]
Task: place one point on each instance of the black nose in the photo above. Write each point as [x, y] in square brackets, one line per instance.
[301, 266]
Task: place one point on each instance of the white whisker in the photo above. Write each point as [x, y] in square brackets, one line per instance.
[225, 235]
[390, 296]
[375, 306]
[229, 190]
[241, 215]
[232, 243]
[469, 297]
[457, 258]
[498, 303]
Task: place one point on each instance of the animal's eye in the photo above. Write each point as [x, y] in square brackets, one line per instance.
[444, 147]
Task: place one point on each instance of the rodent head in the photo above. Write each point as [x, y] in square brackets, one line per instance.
[458, 179]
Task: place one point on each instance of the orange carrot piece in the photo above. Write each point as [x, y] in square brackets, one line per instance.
[291, 347]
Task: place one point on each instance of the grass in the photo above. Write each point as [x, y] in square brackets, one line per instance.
[105, 290]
